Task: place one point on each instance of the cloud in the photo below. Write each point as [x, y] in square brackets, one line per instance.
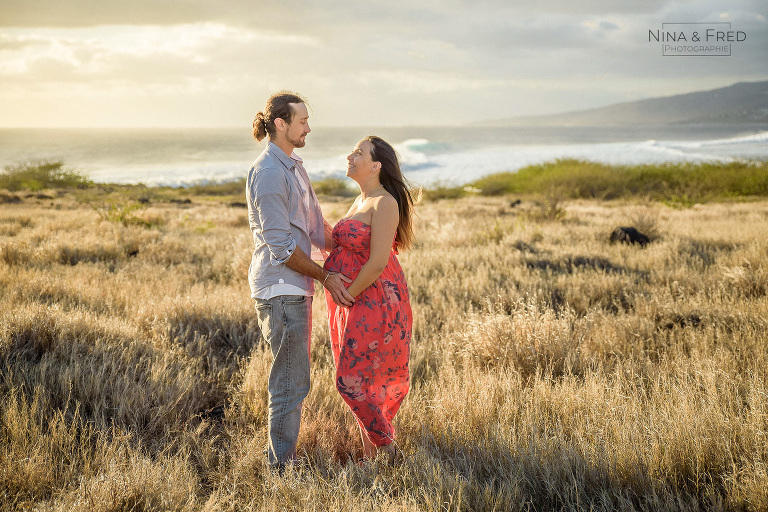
[143, 54]
[385, 14]
[608, 25]
[457, 57]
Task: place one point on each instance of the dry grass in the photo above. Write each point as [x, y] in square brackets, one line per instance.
[550, 369]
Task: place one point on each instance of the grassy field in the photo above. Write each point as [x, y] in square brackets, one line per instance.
[550, 369]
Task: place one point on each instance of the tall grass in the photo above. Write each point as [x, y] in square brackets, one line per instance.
[549, 368]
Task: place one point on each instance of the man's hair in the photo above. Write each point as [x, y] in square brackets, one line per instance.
[278, 107]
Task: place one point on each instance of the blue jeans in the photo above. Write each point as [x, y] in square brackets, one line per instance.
[285, 322]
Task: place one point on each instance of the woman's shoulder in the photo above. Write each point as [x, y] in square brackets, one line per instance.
[386, 200]
[386, 207]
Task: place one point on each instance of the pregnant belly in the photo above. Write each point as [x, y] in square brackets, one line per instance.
[345, 262]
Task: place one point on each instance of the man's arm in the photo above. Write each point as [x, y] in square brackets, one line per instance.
[269, 193]
[329, 242]
[333, 282]
[272, 210]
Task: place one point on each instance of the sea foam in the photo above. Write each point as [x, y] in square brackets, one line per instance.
[423, 164]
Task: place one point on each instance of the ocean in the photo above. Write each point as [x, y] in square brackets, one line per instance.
[430, 156]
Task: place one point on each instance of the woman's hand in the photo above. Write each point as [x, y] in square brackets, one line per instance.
[334, 283]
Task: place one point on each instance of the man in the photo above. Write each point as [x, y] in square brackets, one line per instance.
[286, 222]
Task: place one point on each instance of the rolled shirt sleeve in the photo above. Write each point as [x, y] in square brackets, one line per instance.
[270, 192]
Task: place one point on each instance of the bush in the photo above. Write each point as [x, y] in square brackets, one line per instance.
[683, 183]
[225, 188]
[41, 175]
[123, 212]
[444, 192]
[333, 187]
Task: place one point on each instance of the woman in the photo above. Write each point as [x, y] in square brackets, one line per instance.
[371, 339]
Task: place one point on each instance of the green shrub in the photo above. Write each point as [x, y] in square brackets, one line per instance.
[498, 184]
[41, 175]
[227, 188]
[684, 183]
[122, 211]
[442, 192]
[333, 187]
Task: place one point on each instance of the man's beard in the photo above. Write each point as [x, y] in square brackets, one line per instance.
[297, 143]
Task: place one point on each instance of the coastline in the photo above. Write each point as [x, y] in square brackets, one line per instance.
[683, 183]
[446, 156]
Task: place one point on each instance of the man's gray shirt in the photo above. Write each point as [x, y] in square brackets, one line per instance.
[280, 221]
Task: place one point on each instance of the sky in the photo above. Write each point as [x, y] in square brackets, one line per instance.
[198, 63]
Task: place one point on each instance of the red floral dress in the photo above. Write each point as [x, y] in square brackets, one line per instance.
[371, 340]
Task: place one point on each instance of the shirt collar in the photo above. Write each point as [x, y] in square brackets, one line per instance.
[287, 161]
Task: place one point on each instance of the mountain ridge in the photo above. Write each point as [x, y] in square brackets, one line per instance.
[742, 102]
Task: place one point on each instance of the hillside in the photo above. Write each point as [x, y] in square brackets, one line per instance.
[745, 102]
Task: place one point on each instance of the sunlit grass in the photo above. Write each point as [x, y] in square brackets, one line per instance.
[549, 368]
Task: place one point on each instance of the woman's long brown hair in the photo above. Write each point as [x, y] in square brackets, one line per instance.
[394, 182]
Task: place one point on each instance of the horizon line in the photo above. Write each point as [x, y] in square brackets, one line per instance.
[224, 127]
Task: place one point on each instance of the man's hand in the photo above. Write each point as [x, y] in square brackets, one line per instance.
[334, 283]
[335, 286]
